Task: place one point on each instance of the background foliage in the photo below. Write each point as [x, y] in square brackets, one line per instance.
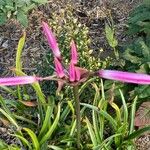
[17, 9]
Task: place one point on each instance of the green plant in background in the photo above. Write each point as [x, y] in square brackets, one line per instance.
[139, 19]
[137, 54]
[137, 58]
[67, 27]
[17, 9]
[110, 36]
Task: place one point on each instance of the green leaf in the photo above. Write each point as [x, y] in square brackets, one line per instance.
[117, 110]
[3, 145]
[143, 91]
[25, 141]
[22, 18]
[3, 18]
[137, 133]
[33, 138]
[54, 147]
[71, 107]
[145, 49]
[25, 119]
[140, 17]
[95, 115]
[27, 8]
[132, 58]
[10, 118]
[40, 1]
[18, 59]
[9, 8]
[122, 130]
[132, 115]
[2, 2]
[83, 87]
[52, 128]
[19, 52]
[48, 115]
[110, 36]
[146, 2]
[9, 90]
[104, 143]
[103, 113]
[20, 3]
[125, 108]
[91, 132]
[9, 2]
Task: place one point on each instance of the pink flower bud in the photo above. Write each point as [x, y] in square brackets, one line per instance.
[78, 74]
[51, 40]
[74, 54]
[59, 68]
[72, 72]
[10, 81]
[128, 77]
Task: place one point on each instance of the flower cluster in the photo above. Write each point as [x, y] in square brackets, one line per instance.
[78, 74]
[74, 74]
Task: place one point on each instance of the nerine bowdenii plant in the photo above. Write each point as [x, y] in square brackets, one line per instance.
[73, 76]
[73, 73]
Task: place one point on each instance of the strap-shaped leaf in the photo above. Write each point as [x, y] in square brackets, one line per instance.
[33, 138]
[52, 128]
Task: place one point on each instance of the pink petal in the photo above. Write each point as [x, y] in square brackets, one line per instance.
[78, 74]
[59, 68]
[125, 76]
[51, 40]
[19, 80]
[74, 54]
[72, 72]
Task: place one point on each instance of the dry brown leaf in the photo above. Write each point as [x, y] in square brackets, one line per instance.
[29, 103]
[5, 122]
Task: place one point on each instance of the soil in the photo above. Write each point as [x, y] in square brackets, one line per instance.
[92, 13]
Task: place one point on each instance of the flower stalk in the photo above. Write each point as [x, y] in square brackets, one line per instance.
[77, 112]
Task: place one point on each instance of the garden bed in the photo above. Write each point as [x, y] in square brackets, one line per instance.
[93, 14]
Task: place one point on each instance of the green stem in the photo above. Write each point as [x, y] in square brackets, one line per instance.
[77, 111]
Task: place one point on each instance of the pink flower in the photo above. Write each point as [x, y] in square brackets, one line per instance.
[19, 80]
[74, 73]
[51, 40]
[74, 54]
[78, 73]
[128, 77]
[59, 69]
